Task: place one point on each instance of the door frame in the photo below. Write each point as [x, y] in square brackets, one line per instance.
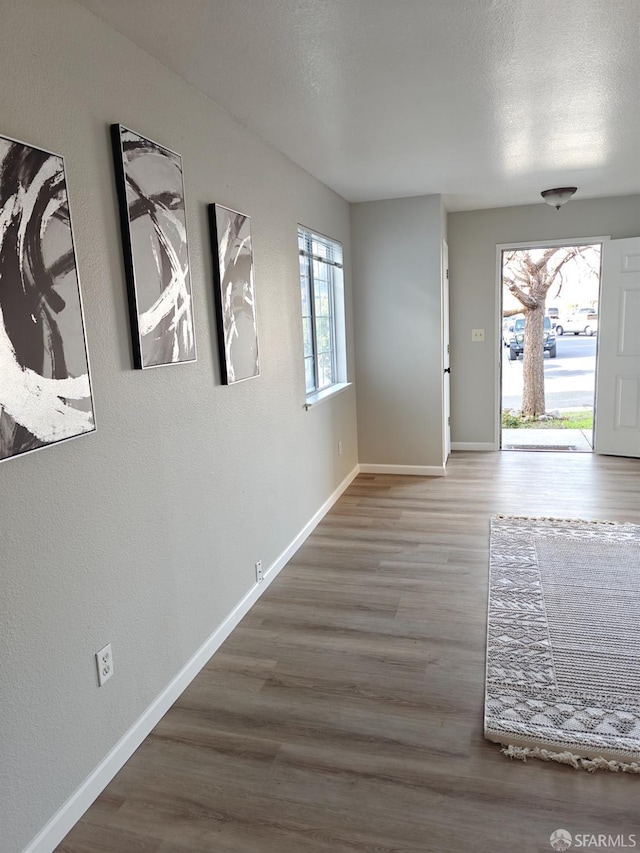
[445, 322]
[528, 244]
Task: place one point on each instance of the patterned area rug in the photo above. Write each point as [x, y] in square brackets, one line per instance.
[563, 642]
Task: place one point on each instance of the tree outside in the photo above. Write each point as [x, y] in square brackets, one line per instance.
[530, 275]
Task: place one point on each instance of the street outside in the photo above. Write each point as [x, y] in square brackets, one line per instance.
[569, 379]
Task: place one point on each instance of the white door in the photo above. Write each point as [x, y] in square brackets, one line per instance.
[617, 429]
[446, 382]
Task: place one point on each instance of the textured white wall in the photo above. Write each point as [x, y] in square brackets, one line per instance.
[397, 285]
[473, 237]
[145, 534]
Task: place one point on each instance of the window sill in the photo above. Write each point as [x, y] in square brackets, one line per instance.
[326, 394]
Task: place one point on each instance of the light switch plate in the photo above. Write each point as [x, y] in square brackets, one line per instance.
[477, 334]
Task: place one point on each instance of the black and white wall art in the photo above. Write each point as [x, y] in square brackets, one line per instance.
[156, 255]
[45, 389]
[234, 294]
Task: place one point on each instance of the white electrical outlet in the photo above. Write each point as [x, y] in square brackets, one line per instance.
[259, 575]
[104, 662]
[339, 448]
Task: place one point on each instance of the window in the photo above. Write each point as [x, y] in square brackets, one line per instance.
[321, 283]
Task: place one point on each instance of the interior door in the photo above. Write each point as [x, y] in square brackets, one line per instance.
[617, 430]
[446, 381]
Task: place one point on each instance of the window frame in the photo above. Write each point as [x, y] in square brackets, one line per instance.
[334, 268]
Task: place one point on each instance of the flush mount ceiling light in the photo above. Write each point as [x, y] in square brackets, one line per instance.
[558, 196]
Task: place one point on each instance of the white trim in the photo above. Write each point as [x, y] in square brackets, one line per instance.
[474, 445]
[445, 358]
[318, 397]
[559, 241]
[72, 810]
[498, 343]
[415, 470]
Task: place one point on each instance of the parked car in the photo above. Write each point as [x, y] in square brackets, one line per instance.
[507, 330]
[516, 342]
[584, 321]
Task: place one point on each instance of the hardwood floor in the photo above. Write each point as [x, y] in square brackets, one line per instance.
[345, 711]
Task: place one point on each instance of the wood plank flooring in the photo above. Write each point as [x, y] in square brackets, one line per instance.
[345, 711]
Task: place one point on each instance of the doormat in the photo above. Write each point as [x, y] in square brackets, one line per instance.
[563, 642]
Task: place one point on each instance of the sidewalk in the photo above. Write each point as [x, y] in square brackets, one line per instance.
[573, 440]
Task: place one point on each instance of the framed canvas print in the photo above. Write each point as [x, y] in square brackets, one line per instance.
[234, 294]
[45, 388]
[156, 254]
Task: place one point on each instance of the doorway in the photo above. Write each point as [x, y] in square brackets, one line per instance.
[549, 296]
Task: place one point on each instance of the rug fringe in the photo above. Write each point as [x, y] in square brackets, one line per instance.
[553, 518]
[588, 764]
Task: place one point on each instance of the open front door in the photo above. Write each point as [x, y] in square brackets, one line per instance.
[618, 379]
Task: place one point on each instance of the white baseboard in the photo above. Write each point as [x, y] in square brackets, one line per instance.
[416, 470]
[70, 812]
[473, 445]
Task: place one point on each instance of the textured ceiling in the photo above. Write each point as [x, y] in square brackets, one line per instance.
[485, 101]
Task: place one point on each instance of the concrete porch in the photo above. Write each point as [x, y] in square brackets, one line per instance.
[570, 440]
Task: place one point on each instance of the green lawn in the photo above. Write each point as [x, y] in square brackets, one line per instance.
[570, 420]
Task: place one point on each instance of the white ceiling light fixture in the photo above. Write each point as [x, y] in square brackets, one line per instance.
[558, 196]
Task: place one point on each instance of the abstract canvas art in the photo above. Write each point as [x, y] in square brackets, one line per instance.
[156, 255]
[234, 294]
[45, 389]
